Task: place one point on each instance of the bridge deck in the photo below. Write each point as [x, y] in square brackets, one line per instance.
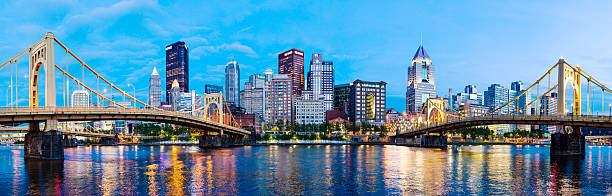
[99, 114]
[590, 121]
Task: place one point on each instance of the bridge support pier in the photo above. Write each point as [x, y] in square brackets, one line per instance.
[427, 141]
[43, 144]
[567, 144]
[70, 141]
[220, 141]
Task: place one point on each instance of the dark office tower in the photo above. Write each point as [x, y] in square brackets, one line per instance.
[291, 63]
[177, 67]
[232, 83]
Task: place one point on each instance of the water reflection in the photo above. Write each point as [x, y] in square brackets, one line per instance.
[44, 176]
[307, 170]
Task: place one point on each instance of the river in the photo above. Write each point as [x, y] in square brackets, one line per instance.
[307, 170]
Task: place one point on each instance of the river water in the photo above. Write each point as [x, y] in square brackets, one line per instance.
[307, 170]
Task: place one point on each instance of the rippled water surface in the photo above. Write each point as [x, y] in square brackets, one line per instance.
[306, 170]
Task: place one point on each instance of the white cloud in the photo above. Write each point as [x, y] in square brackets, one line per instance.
[235, 46]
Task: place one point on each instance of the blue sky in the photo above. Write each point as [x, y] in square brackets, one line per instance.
[470, 42]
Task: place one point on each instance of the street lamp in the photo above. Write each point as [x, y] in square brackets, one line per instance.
[133, 93]
[7, 95]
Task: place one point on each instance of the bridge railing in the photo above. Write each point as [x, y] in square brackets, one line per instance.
[493, 117]
[109, 109]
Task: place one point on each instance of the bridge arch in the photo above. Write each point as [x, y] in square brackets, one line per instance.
[42, 54]
[213, 106]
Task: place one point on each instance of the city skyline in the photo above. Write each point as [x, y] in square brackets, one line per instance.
[462, 59]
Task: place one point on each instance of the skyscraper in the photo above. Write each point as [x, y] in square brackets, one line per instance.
[321, 80]
[177, 67]
[291, 62]
[252, 97]
[421, 81]
[232, 83]
[155, 90]
[175, 92]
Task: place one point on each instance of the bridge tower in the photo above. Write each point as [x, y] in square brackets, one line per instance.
[567, 140]
[48, 143]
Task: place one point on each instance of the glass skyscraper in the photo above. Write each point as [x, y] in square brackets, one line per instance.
[421, 81]
[232, 83]
[177, 67]
[155, 90]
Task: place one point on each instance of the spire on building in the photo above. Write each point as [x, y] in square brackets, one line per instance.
[175, 83]
[154, 71]
[420, 53]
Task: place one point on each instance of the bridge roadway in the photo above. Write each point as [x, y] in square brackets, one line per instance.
[457, 123]
[106, 113]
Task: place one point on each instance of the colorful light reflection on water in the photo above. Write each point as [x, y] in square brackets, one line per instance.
[306, 170]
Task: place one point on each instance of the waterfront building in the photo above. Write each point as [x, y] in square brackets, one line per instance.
[421, 81]
[177, 67]
[473, 109]
[155, 89]
[342, 94]
[309, 111]
[80, 98]
[175, 90]
[291, 63]
[320, 80]
[364, 101]
[252, 97]
[232, 83]
[391, 115]
[279, 99]
[209, 88]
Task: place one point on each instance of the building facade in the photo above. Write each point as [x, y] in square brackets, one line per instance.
[495, 97]
[291, 63]
[320, 80]
[421, 81]
[209, 88]
[80, 98]
[252, 97]
[232, 83]
[470, 95]
[177, 67]
[309, 111]
[279, 99]
[175, 92]
[188, 101]
[155, 89]
[366, 101]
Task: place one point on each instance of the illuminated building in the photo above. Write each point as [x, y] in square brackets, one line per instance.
[291, 62]
[421, 81]
[177, 67]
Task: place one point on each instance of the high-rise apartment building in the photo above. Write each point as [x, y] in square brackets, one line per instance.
[497, 96]
[232, 83]
[279, 99]
[209, 88]
[80, 98]
[252, 97]
[364, 101]
[155, 89]
[177, 67]
[188, 101]
[320, 80]
[421, 81]
[548, 106]
[291, 62]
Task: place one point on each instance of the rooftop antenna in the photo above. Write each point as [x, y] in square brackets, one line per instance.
[421, 38]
